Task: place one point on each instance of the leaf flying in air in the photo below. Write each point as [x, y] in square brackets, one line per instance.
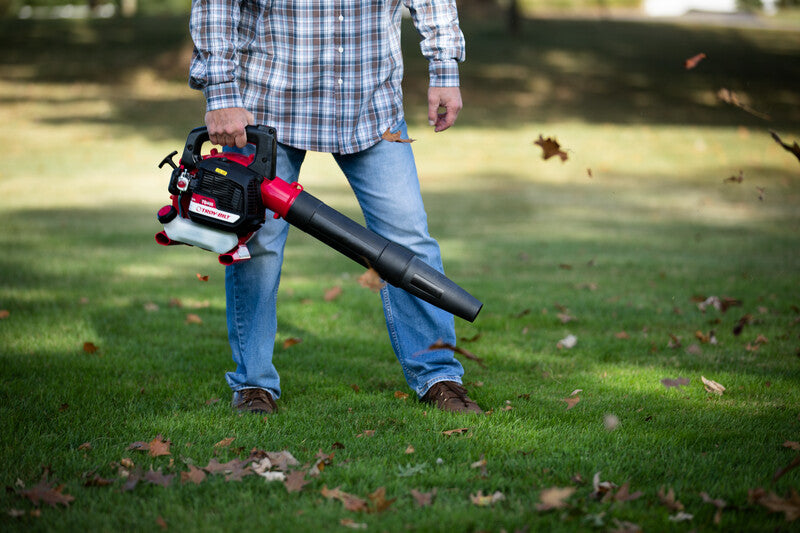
[550, 148]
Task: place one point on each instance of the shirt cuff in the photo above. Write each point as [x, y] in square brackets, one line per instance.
[443, 73]
[222, 95]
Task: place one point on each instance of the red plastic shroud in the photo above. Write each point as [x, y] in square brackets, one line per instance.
[276, 195]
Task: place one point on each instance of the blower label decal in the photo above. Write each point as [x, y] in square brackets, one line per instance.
[203, 205]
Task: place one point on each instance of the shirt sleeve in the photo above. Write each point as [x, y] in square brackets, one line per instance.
[442, 40]
[215, 60]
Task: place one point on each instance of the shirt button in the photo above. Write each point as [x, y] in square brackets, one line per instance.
[341, 18]
[340, 81]
[341, 49]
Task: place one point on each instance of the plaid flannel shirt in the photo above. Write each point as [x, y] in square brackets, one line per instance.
[326, 74]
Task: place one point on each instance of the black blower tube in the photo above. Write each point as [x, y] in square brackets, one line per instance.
[395, 264]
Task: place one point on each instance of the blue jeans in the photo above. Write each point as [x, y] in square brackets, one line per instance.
[384, 180]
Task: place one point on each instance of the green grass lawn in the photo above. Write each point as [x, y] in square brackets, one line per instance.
[615, 246]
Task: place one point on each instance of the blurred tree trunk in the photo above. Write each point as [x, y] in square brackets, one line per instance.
[514, 18]
[128, 8]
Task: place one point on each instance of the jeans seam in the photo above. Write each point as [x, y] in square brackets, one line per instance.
[387, 306]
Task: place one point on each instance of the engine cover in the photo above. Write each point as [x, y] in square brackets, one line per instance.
[226, 195]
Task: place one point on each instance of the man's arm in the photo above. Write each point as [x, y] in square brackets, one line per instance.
[443, 45]
[214, 69]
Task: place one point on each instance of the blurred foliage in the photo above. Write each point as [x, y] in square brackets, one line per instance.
[144, 7]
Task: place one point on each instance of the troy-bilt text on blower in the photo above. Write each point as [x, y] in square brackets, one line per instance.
[220, 200]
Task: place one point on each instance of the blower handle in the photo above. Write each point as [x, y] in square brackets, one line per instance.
[263, 137]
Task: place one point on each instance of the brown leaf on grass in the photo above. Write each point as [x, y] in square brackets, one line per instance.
[215, 467]
[761, 191]
[352, 524]
[400, 395]
[49, 493]
[193, 318]
[89, 347]
[295, 481]
[485, 501]
[349, 501]
[194, 475]
[4, 313]
[160, 522]
[459, 431]
[224, 443]
[158, 446]
[668, 500]
[440, 345]
[379, 501]
[793, 149]
[719, 303]
[423, 499]
[291, 341]
[792, 445]
[720, 504]
[201, 277]
[623, 494]
[481, 463]
[677, 383]
[371, 280]
[91, 479]
[158, 478]
[730, 97]
[86, 446]
[554, 498]
[239, 471]
[550, 148]
[735, 179]
[692, 62]
[790, 505]
[571, 402]
[332, 293]
[601, 488]
[366, 433]
[745, 320]
[712, 386]
[788, 468]
[395, 137]
[622, 335]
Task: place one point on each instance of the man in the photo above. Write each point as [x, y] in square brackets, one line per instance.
[327, 75]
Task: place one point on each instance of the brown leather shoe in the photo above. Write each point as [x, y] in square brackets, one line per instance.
[451, 396]
[254, 400]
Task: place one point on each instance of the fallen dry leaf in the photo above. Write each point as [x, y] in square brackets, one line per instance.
[680, 516]
[224, 443]
[677, 383]
[371, 280]
[193, 318]
[201, 277]
[571, 402]
[400, 395]
[712, 386]
[4, 313]
[794, 148]
[295, 481]
[791, 466]
[194, 475]
[668, 500]
[85, 446]
[550, 148]
[790, 505]
[349, 501]
[89, 347]
[624, 494]
[352, 524]
[158, 478]
[459, 431]
[600, 488]
[692, 62]
[379, 501]
[366, 433]
[423, 499]
[793, 445]
[554, 498]
[395, 137]
[485, 501]
[718, 503]
[332, 293]
[158, 446]
[735, 179]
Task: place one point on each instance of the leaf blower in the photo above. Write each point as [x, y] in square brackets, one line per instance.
[220, 200]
